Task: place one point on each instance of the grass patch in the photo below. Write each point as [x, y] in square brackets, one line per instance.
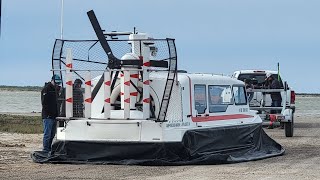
[21, 124]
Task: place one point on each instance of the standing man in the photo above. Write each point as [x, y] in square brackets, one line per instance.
[249, 87]
[77, 99]
[49, 95]
[273, 83]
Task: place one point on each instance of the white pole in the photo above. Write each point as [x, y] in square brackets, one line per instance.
[107, 86]
[122, 89]
[134, 77]
[146, 85]
[69, 83]
[87, 93]
[61, 19]
[126, 94]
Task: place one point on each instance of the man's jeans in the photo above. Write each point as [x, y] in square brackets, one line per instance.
[276, 103]
[49, 128]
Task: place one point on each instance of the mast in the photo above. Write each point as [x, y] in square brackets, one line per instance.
[0, 15]
[61, 19]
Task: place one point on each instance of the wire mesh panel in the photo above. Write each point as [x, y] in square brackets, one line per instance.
[174, 113]
[89, 55]
[172, 71]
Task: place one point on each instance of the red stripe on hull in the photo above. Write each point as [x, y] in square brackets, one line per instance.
[220, 118]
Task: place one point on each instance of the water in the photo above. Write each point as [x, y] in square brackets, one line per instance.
[308, 106]
[29, 101]
[20, 101]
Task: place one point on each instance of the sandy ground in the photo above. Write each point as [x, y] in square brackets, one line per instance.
[301, 161]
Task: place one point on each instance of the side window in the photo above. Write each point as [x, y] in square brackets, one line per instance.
[200, 99]
[239, 93]
[219, 98]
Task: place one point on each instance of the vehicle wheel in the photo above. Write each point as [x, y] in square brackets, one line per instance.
[288, 128]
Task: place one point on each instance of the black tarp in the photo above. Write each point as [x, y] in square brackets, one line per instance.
[201, 146]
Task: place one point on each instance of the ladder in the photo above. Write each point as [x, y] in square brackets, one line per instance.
[172, 72]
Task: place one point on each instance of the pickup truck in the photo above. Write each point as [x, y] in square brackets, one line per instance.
[260, 99]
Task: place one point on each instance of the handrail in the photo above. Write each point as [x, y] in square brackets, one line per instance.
[266, 90]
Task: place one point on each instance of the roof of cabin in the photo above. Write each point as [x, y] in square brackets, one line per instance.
[199, 78]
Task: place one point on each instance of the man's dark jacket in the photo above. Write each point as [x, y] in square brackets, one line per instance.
[49, 101]
[275, 84]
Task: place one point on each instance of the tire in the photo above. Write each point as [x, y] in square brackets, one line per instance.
[288, 128]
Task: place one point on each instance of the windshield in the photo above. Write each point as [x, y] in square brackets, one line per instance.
[258, 80]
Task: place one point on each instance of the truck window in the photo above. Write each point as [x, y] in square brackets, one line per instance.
[200, 98]
[219, 98]
[257, 80]
[240, 97]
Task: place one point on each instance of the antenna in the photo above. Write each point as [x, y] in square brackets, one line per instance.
[61, 19]
[278, 71]
[0, 15]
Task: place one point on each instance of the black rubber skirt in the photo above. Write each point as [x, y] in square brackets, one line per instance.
[203, 146]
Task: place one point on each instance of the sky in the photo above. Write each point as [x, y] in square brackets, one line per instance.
[212, 36]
